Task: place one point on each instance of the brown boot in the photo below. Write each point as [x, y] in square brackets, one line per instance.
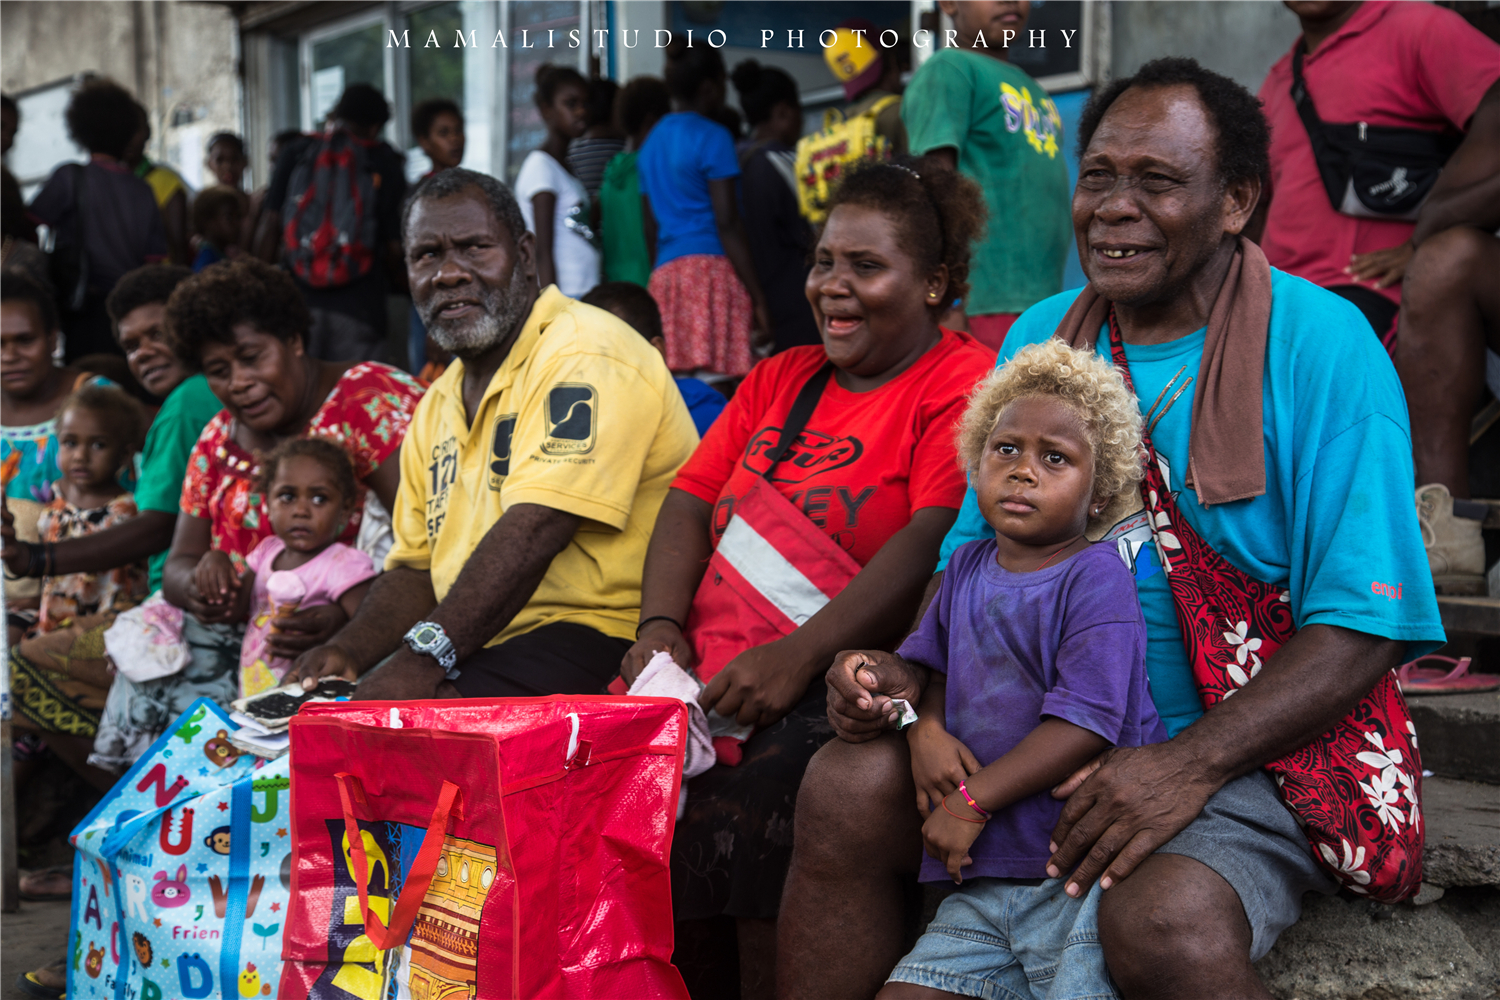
[1455, 548]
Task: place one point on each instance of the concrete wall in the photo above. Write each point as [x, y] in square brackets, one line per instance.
[1240, 40]
[179, 60]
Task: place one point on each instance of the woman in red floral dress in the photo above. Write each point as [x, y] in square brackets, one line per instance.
[246, 325]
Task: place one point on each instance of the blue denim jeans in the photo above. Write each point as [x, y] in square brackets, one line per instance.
[1009, 939]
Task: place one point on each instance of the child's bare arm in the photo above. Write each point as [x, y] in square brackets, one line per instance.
[939, 760]
[1051, 752]
[1046, 757]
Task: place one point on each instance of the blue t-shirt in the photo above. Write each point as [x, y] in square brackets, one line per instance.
[1337, 525]
[704, 402]
[681, 155]
[207, 256]
[1066, 641]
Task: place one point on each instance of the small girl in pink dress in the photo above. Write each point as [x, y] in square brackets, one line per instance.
[309, 490]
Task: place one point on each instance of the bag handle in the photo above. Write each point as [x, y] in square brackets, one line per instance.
[797, 416]
[1333, 168]
[418, 880]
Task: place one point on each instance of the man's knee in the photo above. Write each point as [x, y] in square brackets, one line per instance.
[1174, 920]
[1448, 262]
[855, 797]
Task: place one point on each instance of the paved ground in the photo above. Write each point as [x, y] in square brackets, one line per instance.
[34, 937]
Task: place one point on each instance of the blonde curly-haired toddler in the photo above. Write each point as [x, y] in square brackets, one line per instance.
[1037, 649]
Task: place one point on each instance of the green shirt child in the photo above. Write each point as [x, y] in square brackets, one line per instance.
[1009, 139]
[164, 457]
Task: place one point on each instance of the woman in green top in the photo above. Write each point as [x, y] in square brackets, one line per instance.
[643, 103]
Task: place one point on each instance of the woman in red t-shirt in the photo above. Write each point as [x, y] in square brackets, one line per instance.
[874, 468]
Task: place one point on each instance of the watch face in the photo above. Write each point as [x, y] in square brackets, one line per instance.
[426, 635]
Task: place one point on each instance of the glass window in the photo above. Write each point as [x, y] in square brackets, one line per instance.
[536, 18]
[436, 72]
[354, 56]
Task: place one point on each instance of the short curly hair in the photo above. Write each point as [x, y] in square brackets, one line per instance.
[102, 117]
[362, 104]
[210, 202]
[324, 450]
[643, 99]
[16, 284]
[206, 307]
[143, 287]
[939, 212]
[1088, 384]
[447, 183]
[425, 115]
[1243, 141]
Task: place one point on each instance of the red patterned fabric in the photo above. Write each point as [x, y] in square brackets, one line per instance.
[706, 314]
[1355, 790]
[367, 412]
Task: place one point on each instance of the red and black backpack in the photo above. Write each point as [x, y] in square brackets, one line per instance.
[330, 236]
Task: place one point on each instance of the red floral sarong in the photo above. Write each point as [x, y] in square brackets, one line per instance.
[1356, 789]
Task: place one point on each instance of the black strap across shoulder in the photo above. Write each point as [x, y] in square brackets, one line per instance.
[1376, 171]
[801, 411]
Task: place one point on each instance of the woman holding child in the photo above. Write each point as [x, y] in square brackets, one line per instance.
[246, 326]
[868, 483]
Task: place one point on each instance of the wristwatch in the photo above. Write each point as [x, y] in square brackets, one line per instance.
[429, 639]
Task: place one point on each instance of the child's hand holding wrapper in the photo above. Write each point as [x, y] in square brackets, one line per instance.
[868, 692]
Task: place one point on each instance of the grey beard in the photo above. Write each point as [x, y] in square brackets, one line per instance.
[470, 338]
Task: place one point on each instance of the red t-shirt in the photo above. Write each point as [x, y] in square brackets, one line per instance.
[1411, 65]
[865, 461]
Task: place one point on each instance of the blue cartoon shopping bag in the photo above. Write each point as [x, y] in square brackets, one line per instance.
[180, 884]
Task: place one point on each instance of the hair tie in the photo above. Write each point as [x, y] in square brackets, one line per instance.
[902, 166]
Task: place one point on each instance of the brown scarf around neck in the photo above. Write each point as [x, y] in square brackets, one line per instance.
[1226, 453]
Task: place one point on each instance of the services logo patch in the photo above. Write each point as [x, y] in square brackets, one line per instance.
[505, 429]
[572, 419]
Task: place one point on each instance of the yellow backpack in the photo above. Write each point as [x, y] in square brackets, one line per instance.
[823, 156]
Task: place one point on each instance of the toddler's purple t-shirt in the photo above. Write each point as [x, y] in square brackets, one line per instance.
[1066, 641]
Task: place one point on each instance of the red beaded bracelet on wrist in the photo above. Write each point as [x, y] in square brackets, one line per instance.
[964, 791]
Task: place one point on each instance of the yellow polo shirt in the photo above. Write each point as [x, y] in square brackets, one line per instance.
[582, 416]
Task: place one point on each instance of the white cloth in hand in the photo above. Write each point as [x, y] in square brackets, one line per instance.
[663, 678]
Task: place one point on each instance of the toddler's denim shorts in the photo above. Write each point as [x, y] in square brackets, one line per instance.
[1012, 939]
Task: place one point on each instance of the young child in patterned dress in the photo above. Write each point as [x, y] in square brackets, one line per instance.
[98, 431]
[59, 674]
[309, 490]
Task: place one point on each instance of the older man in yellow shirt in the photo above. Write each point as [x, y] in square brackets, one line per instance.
[531, 474]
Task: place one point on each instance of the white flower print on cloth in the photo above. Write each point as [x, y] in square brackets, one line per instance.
[1350, 867]
[1390, 785]
[1244, 654]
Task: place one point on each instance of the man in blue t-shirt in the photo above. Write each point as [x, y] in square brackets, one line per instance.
[1189, 836]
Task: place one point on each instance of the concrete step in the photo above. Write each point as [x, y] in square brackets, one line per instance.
[1459, 734]
[1447, 947]
[1470, 615]
[1463, 833]
[1353, 949]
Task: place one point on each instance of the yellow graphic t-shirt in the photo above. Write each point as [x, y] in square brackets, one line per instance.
[583, 417]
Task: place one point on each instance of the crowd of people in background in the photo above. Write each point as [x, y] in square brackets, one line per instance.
[687, 328]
